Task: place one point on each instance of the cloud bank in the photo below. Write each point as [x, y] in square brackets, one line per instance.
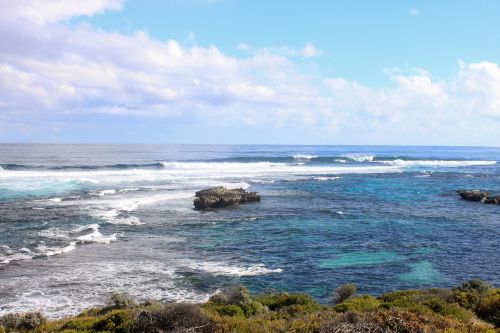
[49, 69]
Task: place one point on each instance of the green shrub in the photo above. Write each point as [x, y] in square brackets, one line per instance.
[400, 294]
[176, 317]
[117, 321]
[406, 303]
[466, 299]
[488, 307]
[238, 295]
[275, 302]
[475, 285]
[22, 321]
[252, 308]
[230, 310]
[343, 292]
[361, 303]
[453, 310]
[120, 301]
[80, 324]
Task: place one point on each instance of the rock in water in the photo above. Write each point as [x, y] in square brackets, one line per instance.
[492, 200]
[220, 197]
[473, 195]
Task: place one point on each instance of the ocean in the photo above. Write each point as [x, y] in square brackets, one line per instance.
[78, 222]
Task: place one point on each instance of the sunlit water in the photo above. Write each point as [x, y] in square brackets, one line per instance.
[80, 221]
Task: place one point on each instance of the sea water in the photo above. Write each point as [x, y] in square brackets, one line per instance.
[78, 222]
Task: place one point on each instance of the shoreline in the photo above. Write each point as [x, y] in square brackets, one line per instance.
[473, 306]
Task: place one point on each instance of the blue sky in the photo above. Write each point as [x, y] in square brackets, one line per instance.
[358, 38]
[230, 71]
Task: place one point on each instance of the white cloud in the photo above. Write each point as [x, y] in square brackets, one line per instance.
[53, 69]
[309, 51]
[42, 11]
[414, 12]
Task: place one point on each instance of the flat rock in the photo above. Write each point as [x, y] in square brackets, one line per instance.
[220, 196]
[473, 195]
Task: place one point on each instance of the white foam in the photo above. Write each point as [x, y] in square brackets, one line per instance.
[8, 255]
[182, 172]
[338, 160]
[52, 251]
[105, 192]
[131, 220]
[142, 279]
[436, 163]
[95, 236]
[55, 199]
[322, 179]
[340, 212]
[303, 157]
[217, 268]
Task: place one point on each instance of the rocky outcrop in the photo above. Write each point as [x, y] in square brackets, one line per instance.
[473, 195]
[479, 195]
[217, 197]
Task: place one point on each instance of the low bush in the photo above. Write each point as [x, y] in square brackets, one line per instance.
[117, 321]
[343, 292]
[120, 301]
[452, 310]
[475, 285]
[400, 294]
[238, 295]
[488, 307]
[276, 302]
[230, 310]
[178, 317]
[22, 321]
[361, 303]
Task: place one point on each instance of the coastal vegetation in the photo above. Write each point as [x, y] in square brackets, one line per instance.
[473, 306]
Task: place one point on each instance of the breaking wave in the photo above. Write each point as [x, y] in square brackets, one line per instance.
[217, 268]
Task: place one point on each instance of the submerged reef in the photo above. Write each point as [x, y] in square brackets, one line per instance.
[220, 196]
[473, 306]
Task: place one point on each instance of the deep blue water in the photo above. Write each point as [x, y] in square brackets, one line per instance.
[80, 221]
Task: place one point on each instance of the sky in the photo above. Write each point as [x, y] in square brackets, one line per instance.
[250, 72]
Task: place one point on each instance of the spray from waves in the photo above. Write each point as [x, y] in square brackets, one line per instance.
[436, 163]
[218, 268]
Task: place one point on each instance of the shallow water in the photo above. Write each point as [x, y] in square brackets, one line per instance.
[80, 221]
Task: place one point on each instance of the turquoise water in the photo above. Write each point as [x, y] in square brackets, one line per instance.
[81, 221]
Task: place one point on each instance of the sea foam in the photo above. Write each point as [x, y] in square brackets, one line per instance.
[437, 163]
